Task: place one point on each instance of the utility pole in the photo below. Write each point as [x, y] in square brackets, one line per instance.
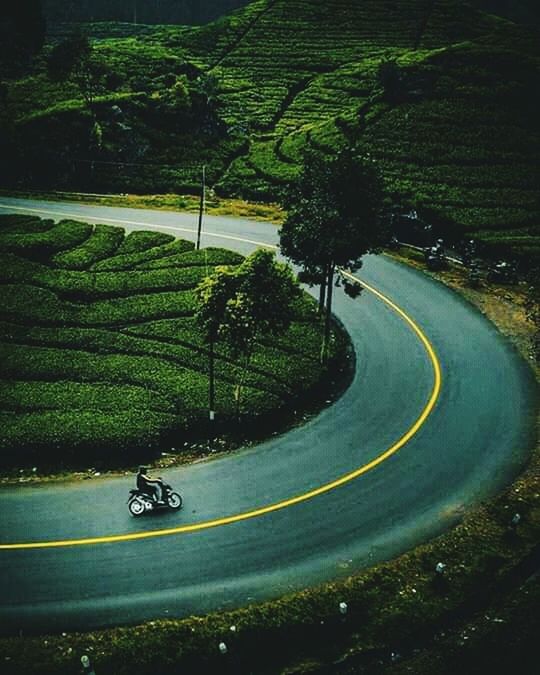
[201, 207]
[135, 12]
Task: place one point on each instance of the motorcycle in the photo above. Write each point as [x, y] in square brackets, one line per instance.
[435, 258]
[503, 273]
[139, 502]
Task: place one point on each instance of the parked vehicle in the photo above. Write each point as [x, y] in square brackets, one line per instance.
[502, 273]
[435, 257]
[139, 502]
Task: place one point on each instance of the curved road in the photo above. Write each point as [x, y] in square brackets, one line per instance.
[451, 439]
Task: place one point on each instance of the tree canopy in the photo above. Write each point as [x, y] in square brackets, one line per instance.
[335, 214]
[237, 305]
[335, 211]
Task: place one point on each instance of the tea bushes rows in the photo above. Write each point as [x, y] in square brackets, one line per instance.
[142, 240]
[207, 256]
[34, 396]
[137, 343]
[69, 437]
[102, 243]
[18, 223]
[30, 304]
[84, 341]
[88, 286]
[40, 245]
[130, 260]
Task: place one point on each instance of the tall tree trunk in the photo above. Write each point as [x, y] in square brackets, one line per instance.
[322, 296]
[328, 316]
[240, 385]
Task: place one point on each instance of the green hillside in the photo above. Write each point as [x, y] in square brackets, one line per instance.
[102, 357]
[451, 120]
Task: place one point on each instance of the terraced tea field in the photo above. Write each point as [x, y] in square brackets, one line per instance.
[456, 134]
[101, 354]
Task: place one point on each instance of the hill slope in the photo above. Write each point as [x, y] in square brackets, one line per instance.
[454, 126]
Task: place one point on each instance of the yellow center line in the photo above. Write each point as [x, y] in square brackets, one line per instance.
[327, 487]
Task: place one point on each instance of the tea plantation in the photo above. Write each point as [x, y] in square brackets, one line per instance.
[453, 126]
[101, 356]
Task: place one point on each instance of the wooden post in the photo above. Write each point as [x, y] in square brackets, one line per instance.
[201, 208]
[328, 316]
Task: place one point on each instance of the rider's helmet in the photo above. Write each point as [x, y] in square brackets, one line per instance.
[143, 469]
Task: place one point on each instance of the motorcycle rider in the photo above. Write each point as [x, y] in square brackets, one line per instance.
[150, 486]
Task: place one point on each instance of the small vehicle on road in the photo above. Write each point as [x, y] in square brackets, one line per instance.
[435, 257]
[140, 502]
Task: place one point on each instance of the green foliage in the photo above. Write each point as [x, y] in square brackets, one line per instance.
[238, 304]
[206, 256]
[438, 94]
[141, 240]
[17, 224]
[129, 261]
[79, 343]
[102, 243]
[40, 245]
[335, 212]
[75, 58]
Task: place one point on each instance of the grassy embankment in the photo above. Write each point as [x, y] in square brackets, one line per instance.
[455, 131]
[102, 358]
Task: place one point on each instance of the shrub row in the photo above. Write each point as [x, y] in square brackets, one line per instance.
[30, 304]
[40, 245]
[87, 286]
[102, 243]
[141, 240]
[206, 256]
[19, 396]
[70, 436]
[131, 260]
[15, 223]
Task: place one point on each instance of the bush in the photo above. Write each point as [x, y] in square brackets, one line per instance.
[142, 240]
[132, 260]
[41, 245]
[102, 243]
[19, 224]
[205, 256]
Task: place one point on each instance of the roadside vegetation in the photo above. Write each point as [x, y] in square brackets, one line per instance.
[104, 360]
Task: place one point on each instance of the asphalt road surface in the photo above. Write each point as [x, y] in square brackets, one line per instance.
[440, 414]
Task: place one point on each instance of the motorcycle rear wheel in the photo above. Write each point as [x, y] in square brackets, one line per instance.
[175, 501]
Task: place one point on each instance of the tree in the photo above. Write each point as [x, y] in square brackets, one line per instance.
[75, 59]
[335, 215]
[237, 305]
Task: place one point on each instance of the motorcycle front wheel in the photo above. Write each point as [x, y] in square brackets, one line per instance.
[136, 508]
[175, 501]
